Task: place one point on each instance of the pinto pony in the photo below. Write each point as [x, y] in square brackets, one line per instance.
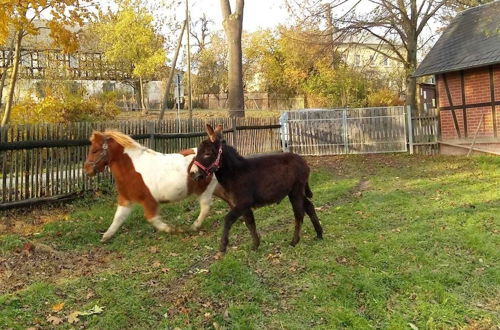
[254, 182]
[146, 177]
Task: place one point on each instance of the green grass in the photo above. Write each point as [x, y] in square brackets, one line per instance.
[410, 241]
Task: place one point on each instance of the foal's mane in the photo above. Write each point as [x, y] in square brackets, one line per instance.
[232, 155]
[122, 139]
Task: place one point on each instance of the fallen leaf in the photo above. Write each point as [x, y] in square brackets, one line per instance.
[73, 317]
[413, 326]
[57, 307]
[172, 254]
[165, 270]
[94, 310]
[201, 271]
[156, 264]
[153, 249]
[54, 320]
[90, 294]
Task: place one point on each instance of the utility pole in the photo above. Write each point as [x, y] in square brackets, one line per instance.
[172, 72]
[190, 95]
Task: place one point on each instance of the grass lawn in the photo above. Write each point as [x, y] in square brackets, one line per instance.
[410, 242]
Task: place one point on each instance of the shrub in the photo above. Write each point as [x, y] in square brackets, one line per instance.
[71, 108]
[383, 97]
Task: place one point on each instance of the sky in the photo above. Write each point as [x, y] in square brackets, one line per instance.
[256, 13]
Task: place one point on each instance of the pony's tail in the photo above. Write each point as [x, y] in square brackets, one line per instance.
[309, 193]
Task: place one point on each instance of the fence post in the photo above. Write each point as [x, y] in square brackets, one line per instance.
[235, 134]
[151, 131]
[410, 129]
[344, 135]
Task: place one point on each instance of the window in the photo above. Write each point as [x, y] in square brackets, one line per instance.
[108, 87]
[372, 60]
[385, 61]
[357, 60]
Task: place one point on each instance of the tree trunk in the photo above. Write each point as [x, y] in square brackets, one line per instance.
[233, 25]
[6, 69]
[411, 81]
[13, 79]
[143, 103]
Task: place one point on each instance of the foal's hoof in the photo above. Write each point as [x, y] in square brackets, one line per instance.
[219, 255]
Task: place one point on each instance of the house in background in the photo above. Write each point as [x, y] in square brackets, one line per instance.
[86, 68]
[360, 52]
[466, 64]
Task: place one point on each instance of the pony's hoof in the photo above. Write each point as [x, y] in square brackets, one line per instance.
[194, 228]
[104, 239]
[219, 255]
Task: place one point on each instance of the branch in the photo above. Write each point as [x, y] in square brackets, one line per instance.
[428, 15]
[225, 8]
[378, 50]
[239, 7]
[388, 42]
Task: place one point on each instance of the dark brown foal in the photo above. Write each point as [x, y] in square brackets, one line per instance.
[254, 182]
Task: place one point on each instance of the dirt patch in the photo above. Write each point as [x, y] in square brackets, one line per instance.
[40, 262]
[28, 222]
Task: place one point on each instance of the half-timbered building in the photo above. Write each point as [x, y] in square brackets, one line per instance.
[466, 64]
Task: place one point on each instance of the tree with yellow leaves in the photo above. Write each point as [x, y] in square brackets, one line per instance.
[18, 21]
[128, 36]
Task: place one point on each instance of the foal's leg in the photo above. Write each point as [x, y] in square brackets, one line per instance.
[229, 219]
[311, 212]
[250, 222]
[297, 200]
[151, 213]
[121, 214]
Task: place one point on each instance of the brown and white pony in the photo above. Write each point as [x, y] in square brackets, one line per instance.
[254, 182]
[146, 177]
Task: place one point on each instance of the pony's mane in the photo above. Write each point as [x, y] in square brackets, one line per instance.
[122, 139]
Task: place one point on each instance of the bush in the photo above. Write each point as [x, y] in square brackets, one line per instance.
[383, 97]
[71, 108]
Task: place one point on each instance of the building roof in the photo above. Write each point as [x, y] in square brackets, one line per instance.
[471, 40]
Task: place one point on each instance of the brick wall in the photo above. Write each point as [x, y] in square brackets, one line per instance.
[477, 90]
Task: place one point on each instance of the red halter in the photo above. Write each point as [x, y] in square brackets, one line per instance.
[212, 167]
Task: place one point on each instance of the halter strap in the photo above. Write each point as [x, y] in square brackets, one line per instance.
[212, 167]
[103, 155]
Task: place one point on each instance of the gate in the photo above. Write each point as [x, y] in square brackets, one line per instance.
[344, 131]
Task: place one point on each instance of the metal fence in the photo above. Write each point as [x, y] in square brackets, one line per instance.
[44, 161]
[345, 131]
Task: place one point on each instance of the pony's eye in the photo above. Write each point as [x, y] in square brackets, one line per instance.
[94, 152]
[207, 155]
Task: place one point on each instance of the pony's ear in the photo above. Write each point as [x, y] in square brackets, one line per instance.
[211, 133]
[96, 135]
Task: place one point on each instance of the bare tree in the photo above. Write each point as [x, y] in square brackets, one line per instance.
[200, 31]
[398, 25]
[233, 26]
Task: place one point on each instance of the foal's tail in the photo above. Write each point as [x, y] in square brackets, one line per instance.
[309, 193]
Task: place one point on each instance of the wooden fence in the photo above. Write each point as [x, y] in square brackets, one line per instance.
[44, 161]
[425, 129]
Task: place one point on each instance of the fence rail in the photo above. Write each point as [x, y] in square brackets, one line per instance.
[44, 161]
